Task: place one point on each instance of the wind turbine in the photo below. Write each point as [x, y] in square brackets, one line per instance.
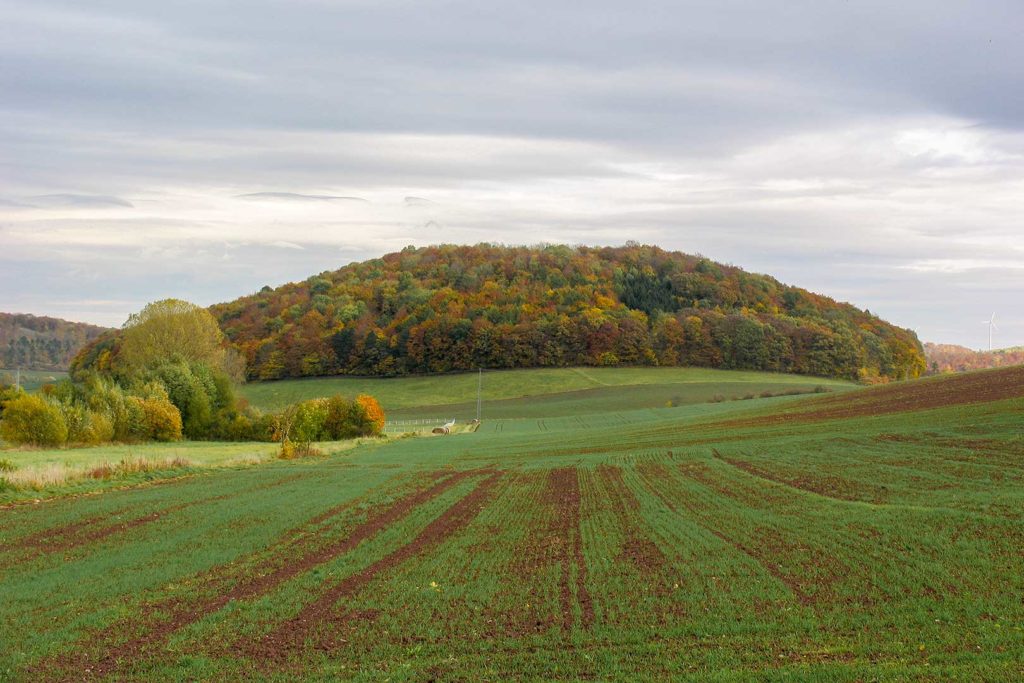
[991, 322]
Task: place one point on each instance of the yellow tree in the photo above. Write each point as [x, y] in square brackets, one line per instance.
[168, 328]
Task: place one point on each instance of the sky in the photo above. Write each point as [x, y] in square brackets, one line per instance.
[871, 151]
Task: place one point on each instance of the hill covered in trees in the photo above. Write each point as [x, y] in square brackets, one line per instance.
[41, 343]
[953, 358]
[449, 308]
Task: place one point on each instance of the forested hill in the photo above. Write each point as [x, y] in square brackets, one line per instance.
[953, 358]
[445, 308]
[41, 343]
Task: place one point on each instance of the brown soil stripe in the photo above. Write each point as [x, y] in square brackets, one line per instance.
[87, 531]
[655, 472]
[637, 548]
[289, 637]
[969, 388]
[181, 612]
[827, 486]
[563, 495]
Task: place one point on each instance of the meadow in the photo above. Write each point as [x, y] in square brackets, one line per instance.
[536, 392]
[32, 380]
[872, 534]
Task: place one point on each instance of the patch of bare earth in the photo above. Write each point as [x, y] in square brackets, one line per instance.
[637, 548]
[557, 544]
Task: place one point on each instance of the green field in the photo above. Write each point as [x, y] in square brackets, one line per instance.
[31, 380]
[540, 392]
[864, 535]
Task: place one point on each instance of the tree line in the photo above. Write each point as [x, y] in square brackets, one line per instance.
[171, 375]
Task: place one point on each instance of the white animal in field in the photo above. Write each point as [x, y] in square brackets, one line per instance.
[449, 425]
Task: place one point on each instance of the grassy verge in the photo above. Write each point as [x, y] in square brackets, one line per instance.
[29, 474]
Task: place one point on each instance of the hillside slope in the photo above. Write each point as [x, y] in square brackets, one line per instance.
[953, 358]
[447, 308]
[675, 544]
[42, 343]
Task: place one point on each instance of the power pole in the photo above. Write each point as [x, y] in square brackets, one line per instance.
[479, 394]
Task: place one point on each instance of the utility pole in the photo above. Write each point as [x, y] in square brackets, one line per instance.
[479, 393]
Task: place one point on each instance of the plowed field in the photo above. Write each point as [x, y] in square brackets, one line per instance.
[875, 535]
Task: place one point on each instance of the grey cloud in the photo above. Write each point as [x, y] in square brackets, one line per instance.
[79, 201]
[294, 196]
[856, 148]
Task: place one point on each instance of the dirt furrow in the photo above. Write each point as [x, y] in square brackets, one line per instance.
[88, 531]
[828, 486]
[652, 473]
[563, 495]
[276, 569]
[637, 548]
[290, 636]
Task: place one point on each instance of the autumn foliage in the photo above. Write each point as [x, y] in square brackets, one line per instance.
[450, 308]
[953, 358]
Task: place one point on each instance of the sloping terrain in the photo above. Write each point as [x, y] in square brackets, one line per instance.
[457, 308]
[40, 343]
[874, 535]
[954, 358]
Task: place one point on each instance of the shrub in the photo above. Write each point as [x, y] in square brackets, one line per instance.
[33, 420]
[160, 420]
[337, 423]
[374, 415]
[7, 465]
[308, 425]
[86, 426]
[8, 393]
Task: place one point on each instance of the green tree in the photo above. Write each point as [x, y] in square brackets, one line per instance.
[168, 329]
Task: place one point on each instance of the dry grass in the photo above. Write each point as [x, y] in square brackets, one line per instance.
[57, 474]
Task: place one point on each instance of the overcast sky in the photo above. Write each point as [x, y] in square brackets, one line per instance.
[871, 151]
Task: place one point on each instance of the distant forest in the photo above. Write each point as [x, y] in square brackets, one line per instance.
[953, 358]
[450, 308]
[40, 343]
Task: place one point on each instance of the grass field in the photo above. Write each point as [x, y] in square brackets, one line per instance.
[535, 393]
[31, 380]
[865, 535]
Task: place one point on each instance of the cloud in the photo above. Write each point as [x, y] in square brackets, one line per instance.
[873, 150]
[294, 196]
[286, 245]
[79, 201]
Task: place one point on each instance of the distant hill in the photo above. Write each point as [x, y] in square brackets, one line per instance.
[42, 343]
[953, 358]
[448, 308]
